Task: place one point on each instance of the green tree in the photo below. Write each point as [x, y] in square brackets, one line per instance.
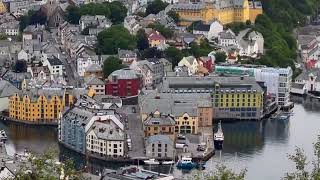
[45, 166]
[155, 7]
[73, 14]
[301, 161]
[3, 36]
[175, 16]
[111, 64]
[142, 40]
[31, 18]
[221, 173]
[220, 57]
[151, 53]
[174, 55]
[20, 66]
[115, 37]
[118, 12]
[166, 32]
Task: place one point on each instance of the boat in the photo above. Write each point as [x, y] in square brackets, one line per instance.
[284, 116]
[167, 162]
[186, 163]
[218, 138]
[3, 135]
[151, 162]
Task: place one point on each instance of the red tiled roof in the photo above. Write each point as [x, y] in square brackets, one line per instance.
[155, 35]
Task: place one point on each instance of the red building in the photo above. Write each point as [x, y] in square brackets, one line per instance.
[206, 62]
[124, 83]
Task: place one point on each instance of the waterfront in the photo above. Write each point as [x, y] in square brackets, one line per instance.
[261, 147]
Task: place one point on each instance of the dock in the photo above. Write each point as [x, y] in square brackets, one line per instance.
[6, 119]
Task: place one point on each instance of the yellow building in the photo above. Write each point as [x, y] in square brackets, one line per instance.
[3, 8]
[238, 101]
[159, 124]
[39, 105]
[186, 117]
[226, 11]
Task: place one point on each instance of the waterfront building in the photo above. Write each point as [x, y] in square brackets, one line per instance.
[232, 97]
[277, 80]
[308, 81]
[39, 105]
[186, 117]
[224, 11]
[95, 83]
[160, 147]
[158, 123]
[124, 83]
[76, 128]
[106, 139]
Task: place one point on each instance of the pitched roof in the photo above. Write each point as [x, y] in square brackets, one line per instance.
[124, 74]
[93, 80]
[7, 89]
[160, 120]
[201, 27]
[155, 35]
[54, 61]
[159, 138]
[93, 68]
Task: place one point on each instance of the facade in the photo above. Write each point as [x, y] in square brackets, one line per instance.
[224, 11]
[206, 62]
[160, 147]
[127, 56]
[6, 91]
[190, 62]
[96, 84]
[95, 70]
[227, 38]
[310, 81]
[106, 139]
[186, 117]
[39, 105]
[131, 23]
[55, 65]
[155, 39]
[308, 46]
[124, 83]
[10, 28]
[158, 123]
[251, 44]
[277, 80]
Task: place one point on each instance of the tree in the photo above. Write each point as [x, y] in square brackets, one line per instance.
[166, 32]
[300, 160]
[151, 53]
[174, 55]
[20, 66]
[73, 14]
[45, 166]
[118, 12]
[175, 16]
[115, 37]
[142, 40]
[221, 173]
[3, 36]
[220, 57]
[155, 7]
[111, 64]
[32, 17]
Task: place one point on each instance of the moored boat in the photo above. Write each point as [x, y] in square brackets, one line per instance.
[218, 138]
[167, 162]
[186, 163]
[151, 162]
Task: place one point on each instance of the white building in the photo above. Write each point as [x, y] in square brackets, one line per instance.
[131, 23]
[55, 65]
[311, 80]
[250, 43]
[227, 38]
[10, 28]
[215, 28]
[190, 62]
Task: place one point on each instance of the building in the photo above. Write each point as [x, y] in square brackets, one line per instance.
[160, 147]
[127, 56]
[55, 65]
[131, 23]
[3, 8]
[124, 83]
[227, 38]
[190, 62]
[308, 46]
[106, 139]
[6, 91]
[309, 81]
[10, 28]
[39, 105]
[155, 39]
[55, 12]
[158, 123]
[94, 24]
[186, 117]
[251, 44]
[277, 80]
[85, 59]
[206, 62]
[96, 84]
[223, 11]
[94, 69]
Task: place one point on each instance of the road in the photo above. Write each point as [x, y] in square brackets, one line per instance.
[135, 131]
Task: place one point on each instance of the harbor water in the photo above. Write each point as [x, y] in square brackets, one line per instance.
[260, 147]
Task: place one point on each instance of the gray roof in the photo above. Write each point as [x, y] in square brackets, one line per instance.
[305, 75]
[122, 53]
[305, 39]
[107, 99]
[107, 131]
[162, 105]
[80, 115]
[181, 108]
[54, 61]
[189, 6]
[162, 120]
[7, 89]
[93, 80]
[35, 93]
[124, 74]
[226, 35]
[297, 85]
[94, 68]
[159, 138]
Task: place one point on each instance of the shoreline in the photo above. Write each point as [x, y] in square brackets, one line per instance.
[7, 119]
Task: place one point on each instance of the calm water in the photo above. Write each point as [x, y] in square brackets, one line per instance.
[260, 147]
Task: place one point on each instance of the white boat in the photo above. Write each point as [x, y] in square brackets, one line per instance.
[218, 138]
[3, 135]
[151, 162]
[168, 162]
